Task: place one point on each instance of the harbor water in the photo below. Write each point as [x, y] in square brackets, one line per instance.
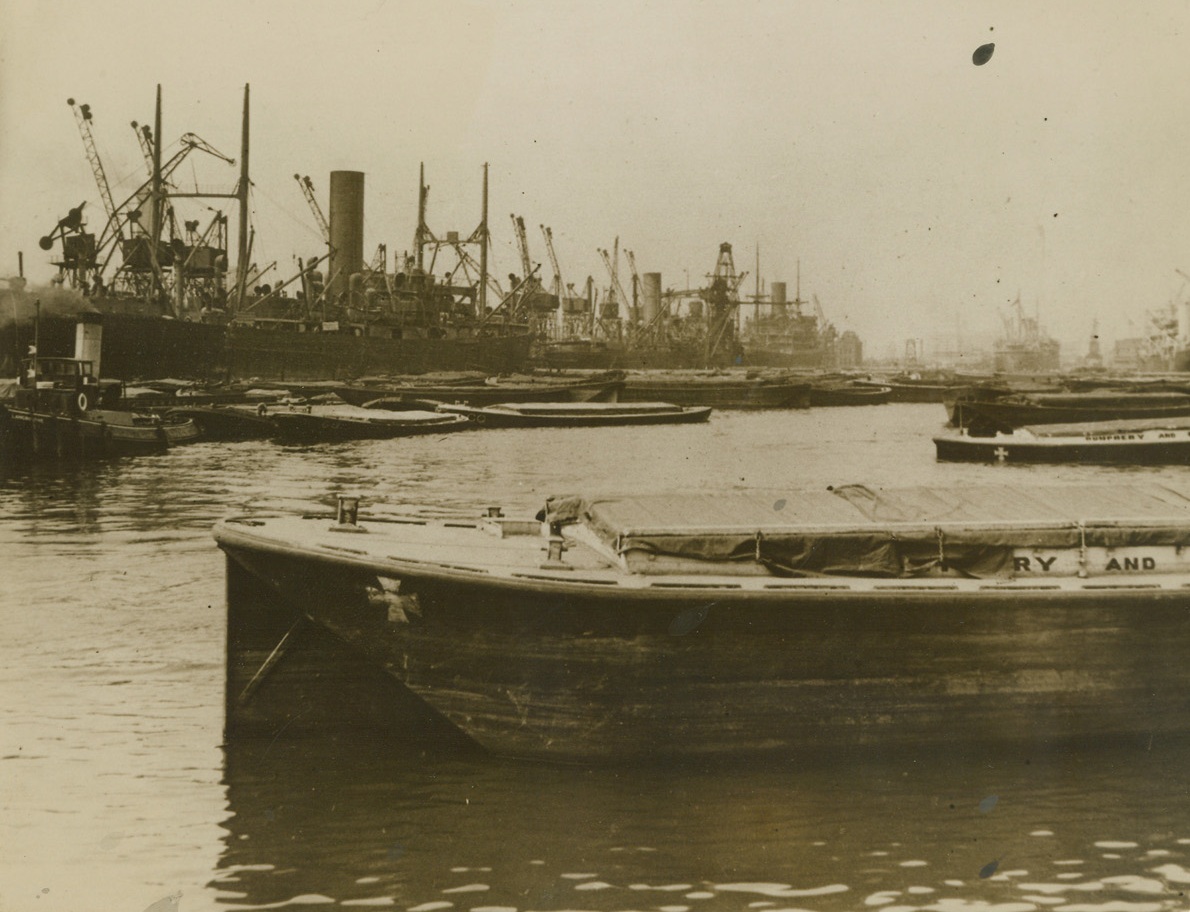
[116, 789]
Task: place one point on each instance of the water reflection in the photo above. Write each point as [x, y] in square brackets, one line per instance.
[372, 824]
[112, 605]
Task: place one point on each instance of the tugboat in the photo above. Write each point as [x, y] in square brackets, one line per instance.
[60, 409]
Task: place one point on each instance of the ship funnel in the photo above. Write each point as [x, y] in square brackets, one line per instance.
[650, 289]
[347, 228]
[88, 340]
[777, 298]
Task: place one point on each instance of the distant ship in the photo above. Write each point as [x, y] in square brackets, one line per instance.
[1025, 347]
[787, 336]
[172, 308]
[675, 329]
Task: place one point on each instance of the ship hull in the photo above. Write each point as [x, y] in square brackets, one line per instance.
[134, 347]
[284, 355]
[585, 678]
[617, 356]
[756, 356]
[28, 434]
[142, 347]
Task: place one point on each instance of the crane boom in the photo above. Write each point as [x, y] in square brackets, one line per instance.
[82, 116]
[613, 272]
[635, 276]
[522, 242]
[549, 248]
[144, 136]
[194, 141]
[307, 186]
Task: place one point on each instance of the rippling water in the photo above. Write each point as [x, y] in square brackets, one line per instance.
[115, 789]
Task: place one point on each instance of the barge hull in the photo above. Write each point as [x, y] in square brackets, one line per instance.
[591, 677]
[993, 450]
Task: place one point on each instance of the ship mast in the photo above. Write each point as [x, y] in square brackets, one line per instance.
[483, 248]
[242, 197]
[419, 237]
[155, 196]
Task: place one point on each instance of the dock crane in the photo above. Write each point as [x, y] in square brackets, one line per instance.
[559, 290]
[818, 311]
[136, 201]
[722, 299]
[611, 262]
[522, 243]
[635, 280]
[144, 137]
[82, 116]
[307, 186]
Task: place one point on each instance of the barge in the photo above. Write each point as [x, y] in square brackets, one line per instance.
[579, 414]
[1146, 441]
[735, 625]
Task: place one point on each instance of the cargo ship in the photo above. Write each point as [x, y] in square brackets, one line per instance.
[785, 335]
[173, 307]
[705, 333]
[653, 335]
[1025, 346]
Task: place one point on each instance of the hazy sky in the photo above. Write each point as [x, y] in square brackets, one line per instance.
[921, 193]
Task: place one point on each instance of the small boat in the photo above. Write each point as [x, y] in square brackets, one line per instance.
[579, 414]
[60, 409]
[1146, 441]
[735, 624]
[916, 387]
[227, 422]
[848, 393]
[724, 390]
[313, 423]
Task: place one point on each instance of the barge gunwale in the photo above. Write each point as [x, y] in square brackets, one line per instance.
[614, 584]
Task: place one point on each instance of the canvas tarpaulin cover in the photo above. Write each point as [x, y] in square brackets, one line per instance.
[860, 531]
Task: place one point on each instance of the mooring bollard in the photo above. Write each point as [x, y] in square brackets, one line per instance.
[347, 514]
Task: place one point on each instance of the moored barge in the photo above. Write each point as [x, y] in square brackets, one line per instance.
[735, 625]
[1147, 441]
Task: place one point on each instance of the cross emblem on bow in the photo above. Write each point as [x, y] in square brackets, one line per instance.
[1001, 454]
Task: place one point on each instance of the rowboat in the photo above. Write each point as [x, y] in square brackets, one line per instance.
[579, 414]
[721, 625]
[312, 423]
[1151, 441]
